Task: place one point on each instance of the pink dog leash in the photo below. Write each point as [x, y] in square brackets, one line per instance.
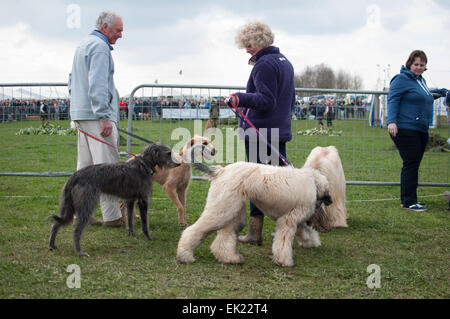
[104, 142]
[239, 113]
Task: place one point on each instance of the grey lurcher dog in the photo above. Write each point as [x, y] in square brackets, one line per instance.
[131, 181]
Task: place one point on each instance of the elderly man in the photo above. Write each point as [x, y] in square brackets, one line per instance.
[94, 103]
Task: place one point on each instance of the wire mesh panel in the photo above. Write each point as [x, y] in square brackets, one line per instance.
[160, 112]
[35, 134]
[353, 121]
[36, 138]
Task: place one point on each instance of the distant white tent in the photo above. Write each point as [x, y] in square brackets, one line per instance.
[34, 93]
[4, 97]
[27, 93]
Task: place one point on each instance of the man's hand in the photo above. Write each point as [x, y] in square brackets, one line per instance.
[105, 128]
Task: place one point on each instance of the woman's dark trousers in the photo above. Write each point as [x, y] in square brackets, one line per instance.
[411, 146]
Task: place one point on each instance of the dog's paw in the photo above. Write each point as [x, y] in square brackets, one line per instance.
[52, 248]
[131, 233]
[184, 225]
[150, 238]
[283, 263]
[309, 238]
[185, 258]
[83, 254]
[309, 244]
[237, 259]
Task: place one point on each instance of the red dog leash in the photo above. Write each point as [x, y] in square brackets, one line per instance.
[102, 141]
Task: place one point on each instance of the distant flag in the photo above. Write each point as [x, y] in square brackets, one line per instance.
[372, 112]
[181, 72]
[156, 81]
[381, 117]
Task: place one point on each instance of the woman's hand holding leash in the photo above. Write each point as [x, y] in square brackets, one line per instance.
[233, 101]
[233, 98]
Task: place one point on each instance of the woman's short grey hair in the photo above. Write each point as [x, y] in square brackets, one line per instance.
[106, 17]
[255, 35]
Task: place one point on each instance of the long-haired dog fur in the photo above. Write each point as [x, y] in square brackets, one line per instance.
[131, 181]
[328, 162]
[286, 194]
[175, 181]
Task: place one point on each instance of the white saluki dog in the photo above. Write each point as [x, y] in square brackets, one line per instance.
[286, 194]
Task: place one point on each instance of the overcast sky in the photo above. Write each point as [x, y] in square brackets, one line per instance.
[161, 38]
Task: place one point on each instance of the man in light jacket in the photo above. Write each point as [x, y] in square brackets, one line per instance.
[94, 103]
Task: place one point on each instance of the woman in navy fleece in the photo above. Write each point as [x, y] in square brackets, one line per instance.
[268, 102]
[410, 107]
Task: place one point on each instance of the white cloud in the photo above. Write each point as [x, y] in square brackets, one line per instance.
[27, 57]
[360, 51]
[217, 61]
[201, 43]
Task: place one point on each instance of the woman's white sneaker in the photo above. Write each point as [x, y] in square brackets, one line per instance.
[416, 207]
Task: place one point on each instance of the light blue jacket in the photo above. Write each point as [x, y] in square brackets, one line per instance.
[91, 84]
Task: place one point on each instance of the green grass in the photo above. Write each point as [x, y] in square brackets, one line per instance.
[367, 153]
[411, 248]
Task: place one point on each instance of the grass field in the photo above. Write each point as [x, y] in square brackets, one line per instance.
[411, 249]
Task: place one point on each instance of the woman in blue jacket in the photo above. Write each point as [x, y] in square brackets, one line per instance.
[267, 103]
[410, 108]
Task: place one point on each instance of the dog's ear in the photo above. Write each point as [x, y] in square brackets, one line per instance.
[144, 166]
[151, 154]
[192, 141]
[162, 156]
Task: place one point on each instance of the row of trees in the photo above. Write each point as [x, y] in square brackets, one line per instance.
[322, 76]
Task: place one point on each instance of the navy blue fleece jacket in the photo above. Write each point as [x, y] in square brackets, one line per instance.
[270, 93]
[410, 102]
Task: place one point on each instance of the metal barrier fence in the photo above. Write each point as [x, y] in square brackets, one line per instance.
[169, 113]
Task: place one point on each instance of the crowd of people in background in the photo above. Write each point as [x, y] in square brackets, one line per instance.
[145, 108]
[20, 109]
[317, 108]
[328, 109]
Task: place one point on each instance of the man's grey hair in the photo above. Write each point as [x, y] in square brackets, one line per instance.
[106, 17]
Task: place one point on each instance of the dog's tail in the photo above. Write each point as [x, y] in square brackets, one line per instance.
[211, 171]
[66, 210]
[208, 170]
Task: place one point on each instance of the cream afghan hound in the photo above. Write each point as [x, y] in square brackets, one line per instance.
[328, 162]
[286, 194]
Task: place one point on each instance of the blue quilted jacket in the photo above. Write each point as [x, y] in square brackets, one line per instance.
[410, 102]
[270, 93]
